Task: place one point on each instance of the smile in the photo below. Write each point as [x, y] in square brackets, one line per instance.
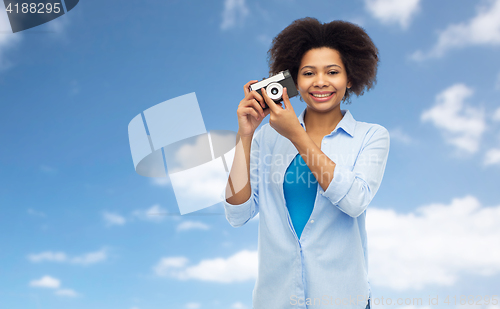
[321, 95]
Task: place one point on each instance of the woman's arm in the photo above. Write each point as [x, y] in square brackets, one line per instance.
[238, 189]
[240, 200]
[351, 191]
[244, 181]
[320, 164]
[250, 114]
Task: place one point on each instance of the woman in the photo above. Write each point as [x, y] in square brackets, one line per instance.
[310, 178]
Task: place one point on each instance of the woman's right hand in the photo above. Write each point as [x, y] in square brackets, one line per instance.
[251, 111]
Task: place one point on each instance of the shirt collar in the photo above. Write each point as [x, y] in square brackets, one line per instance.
[347, 123]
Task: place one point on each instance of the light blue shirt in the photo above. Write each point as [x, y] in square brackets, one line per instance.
[328, 267]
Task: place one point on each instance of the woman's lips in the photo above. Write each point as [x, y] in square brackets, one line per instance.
[324, 96]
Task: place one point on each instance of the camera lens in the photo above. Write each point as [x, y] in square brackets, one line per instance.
[275, 91]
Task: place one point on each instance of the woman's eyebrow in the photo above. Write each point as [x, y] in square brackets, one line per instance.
[326, 67]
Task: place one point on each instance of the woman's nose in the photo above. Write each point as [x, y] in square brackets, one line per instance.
[320, 80]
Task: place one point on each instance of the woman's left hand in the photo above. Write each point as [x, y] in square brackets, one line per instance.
[284, 121]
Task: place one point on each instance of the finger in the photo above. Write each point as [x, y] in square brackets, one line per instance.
[253, 112]
[267, 111]
[286, 99]
[258, 107]
[252, 101]
[246, 88]
[259, 98]
[255, 95]
[270, 102]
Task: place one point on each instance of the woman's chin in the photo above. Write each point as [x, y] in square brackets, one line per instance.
[323, 107]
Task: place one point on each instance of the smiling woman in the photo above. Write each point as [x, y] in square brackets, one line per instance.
[322, 82]
[311, 205]
[357, 51]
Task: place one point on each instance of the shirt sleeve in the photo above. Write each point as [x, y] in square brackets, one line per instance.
[239, 214]
[352, 191]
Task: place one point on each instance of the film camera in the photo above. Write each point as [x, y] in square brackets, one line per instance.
[274, 85]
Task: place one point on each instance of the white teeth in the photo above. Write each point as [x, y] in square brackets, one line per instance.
[322, 95]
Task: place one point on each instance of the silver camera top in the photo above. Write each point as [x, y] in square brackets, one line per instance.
[274, 86]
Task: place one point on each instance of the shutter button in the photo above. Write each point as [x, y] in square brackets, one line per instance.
[312, 221]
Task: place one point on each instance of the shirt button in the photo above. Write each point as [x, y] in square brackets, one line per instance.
[312, 221]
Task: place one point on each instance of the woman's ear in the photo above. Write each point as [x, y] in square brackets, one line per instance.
[349, 85]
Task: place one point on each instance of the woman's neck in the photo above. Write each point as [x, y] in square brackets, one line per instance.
[322, 122]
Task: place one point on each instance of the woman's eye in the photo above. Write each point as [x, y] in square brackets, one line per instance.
[333, 72]
[307, 73]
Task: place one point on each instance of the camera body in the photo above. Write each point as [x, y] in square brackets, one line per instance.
[274, 85]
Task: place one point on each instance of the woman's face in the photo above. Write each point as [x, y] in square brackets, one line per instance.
[322, 79]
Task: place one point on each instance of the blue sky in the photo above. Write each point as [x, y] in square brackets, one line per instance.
[76, 229]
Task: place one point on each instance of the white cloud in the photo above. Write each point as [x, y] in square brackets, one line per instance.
[496, 114]
[46, 282]
[238, 305]
[4, 25]
[239, 267]
[53, 283]
[399, 135]
[234, 11]
[358, 20]
[187, 153]
[198, 175]
[7, 39]
[434, 245]
[482, 29]
[160, 181]
[154, 214]
[61, 257]
[66, 293]
[461, 125]
[201, 186]
[393, 11]
[58, 25]
[192, 225]
[111, 218]
[90, 258]
[48, 256]
[192, 306]
[492, 157]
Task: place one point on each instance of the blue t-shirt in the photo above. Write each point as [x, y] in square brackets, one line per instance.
[300, 187]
